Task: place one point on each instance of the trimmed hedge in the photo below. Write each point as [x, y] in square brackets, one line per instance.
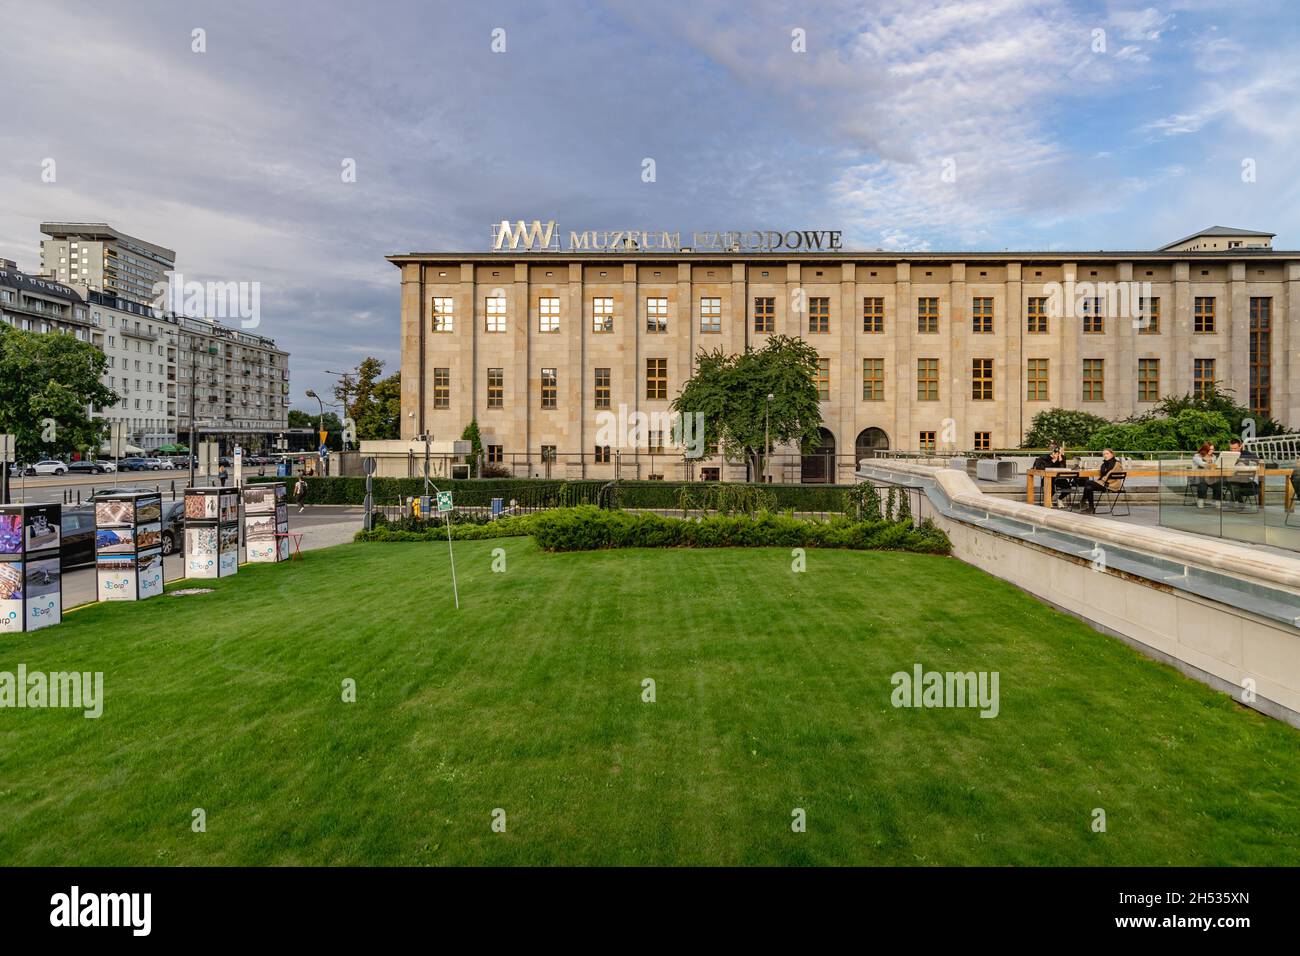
[543, 492]
[588, 528]
[509, 527]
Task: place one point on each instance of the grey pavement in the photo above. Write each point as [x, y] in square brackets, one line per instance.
[322, 526]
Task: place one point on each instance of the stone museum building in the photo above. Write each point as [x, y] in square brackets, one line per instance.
[920, 351]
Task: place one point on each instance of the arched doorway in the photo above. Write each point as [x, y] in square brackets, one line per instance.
[869, 441]
[819, 467]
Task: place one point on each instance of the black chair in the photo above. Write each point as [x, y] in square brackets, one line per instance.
[1113, 494]
[1243, 491]
[1068, 490]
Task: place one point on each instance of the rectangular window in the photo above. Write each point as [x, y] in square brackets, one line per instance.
[1094, 380]
[602, 314]
[548, 314]
[1203, 377]
[656, 443]
[1149, 380]
[764, 314]
[1203, 315]
[496, 388]
[981, 314]
[927, 380]
[983, 441]
[1149, 316]
[710, 314]
[1261, 351]
[656, 378]
[873, 315]
[824, 379]
[925, 442]
[873, 380]
[819, 314]
[656, 314]
[1094, 323]
[981, 379]
[494, 310]
[550, 388]
[602, 388]
[927, 315]
[443, 314]
[442, 388]
[495, 454]
[602, 454]
[1036, 315]
[1036, 380]
[548, 453]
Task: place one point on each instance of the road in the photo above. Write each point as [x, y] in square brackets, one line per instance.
[73, 489]
[322, 527]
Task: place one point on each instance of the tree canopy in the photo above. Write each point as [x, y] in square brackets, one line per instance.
[730, 392]
[374, 404]
[48, 382]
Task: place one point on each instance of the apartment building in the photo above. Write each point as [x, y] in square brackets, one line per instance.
[37, 304]
[141, 352]
[943, 351]
[96, 255]
[234, 384]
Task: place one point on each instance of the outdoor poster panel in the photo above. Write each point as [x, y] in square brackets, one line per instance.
[114, 514]
[115, 540]
[42, 526]
[11, 596]
[148, 510]
[200, 507]
[116, 577]
[149, 572]
[11, 535]
[201, 551]
[44, 596]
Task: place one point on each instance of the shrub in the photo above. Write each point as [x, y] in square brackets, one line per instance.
[509, 527]
[1057, 425]
[587, 528]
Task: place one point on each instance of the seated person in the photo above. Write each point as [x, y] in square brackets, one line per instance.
[1093, 485]
[1242, 487]
[1204, 458]
[1055, 458]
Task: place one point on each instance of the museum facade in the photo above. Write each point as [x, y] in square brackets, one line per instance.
[920, 351]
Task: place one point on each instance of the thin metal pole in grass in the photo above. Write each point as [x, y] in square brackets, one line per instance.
[450, 553]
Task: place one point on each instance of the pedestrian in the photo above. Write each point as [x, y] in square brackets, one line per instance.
[300, 493]
[222, 475]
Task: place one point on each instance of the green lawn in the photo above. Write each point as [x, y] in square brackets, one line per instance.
[773, 692]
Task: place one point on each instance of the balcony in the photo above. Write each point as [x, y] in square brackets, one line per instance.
[140, 334]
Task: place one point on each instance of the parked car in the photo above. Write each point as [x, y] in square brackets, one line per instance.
[173, 527]
[77, 541]
[91, 467]
[49, 466]
[133, 464]
[160, 464]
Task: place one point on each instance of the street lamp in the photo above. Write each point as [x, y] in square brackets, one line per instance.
[767, 444]
[320, 425]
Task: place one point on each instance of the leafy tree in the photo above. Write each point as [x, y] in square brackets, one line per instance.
[47, 383]
[1062, 426]
[730, 392]
[471, 434]
[373, 403]
[313, 420]
[1186, 430]
[1219, 400]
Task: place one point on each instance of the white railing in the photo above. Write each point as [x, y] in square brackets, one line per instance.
[1279, 448]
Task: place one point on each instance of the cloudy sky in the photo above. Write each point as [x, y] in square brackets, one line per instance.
[1062, 125]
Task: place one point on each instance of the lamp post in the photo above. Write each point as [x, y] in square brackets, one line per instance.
[767, 444]
[320, 427]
